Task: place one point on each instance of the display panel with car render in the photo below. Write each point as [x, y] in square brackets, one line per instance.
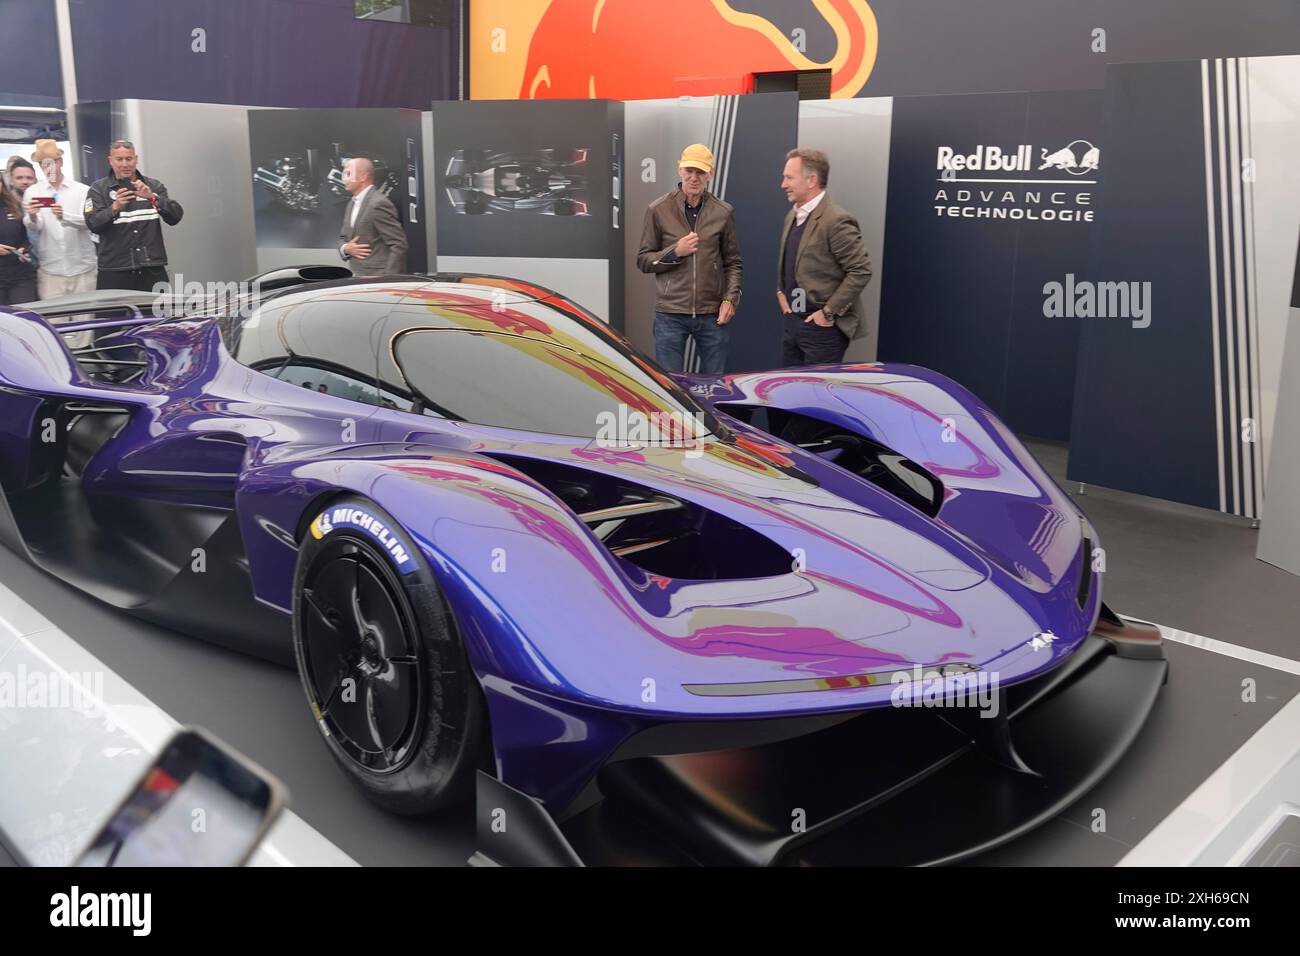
[546, 182]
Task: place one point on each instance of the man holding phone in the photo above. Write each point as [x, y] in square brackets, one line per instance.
[126, 211]
[56, 221]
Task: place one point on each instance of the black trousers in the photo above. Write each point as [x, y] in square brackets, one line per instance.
[139, 280]
[807, 343]
[18, 289]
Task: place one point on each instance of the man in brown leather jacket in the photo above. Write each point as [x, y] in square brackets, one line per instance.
[689, 244]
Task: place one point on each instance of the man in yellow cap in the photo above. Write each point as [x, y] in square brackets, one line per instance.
[689, 244]
[57, 222]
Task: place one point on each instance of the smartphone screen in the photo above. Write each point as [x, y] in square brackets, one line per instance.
[200, 804]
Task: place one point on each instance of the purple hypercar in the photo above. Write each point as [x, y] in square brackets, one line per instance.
[807, 616]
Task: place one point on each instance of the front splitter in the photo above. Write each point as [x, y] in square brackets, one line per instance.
[896, 787]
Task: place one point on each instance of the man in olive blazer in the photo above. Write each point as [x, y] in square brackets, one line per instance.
[372, 240]
[822, 267]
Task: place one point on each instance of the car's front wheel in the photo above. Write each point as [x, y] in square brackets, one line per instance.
[382, 662]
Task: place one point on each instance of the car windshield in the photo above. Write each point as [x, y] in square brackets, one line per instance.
[540, 384]
[482, 351]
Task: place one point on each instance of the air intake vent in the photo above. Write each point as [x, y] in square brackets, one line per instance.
[850, 450]
[657, 532]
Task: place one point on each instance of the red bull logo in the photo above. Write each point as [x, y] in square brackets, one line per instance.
[976, 184]
[1076, 158]
[987, 159]
[621, 49]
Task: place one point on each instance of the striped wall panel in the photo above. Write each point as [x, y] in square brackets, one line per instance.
[1234, 314]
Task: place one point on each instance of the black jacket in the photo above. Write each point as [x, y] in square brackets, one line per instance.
[132, 238]
[13, 232]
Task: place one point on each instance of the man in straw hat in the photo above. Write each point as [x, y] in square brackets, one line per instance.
[55, 212]
[689, 244]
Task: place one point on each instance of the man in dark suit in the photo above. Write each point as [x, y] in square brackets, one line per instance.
[822, 267]
[372, 240]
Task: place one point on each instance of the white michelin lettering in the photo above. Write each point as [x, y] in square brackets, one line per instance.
[360, 519]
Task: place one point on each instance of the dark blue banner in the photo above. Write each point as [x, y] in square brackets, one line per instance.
[29, 54]
[990, 198]
[261, 53]
[1170, 406]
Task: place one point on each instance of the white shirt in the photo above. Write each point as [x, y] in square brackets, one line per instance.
[64, 248]
[352, 215]
[356, 205]
[801, 213]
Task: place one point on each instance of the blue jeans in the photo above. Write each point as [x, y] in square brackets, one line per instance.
[672, 331]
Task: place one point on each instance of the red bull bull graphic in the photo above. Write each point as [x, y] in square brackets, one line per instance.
[607, 49]
[1076, 159]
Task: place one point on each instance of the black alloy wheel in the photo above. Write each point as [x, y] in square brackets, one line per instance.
[361, 660]
[381, 661]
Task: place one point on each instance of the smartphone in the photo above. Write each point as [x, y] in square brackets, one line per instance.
[45, 201]
[201, 803]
